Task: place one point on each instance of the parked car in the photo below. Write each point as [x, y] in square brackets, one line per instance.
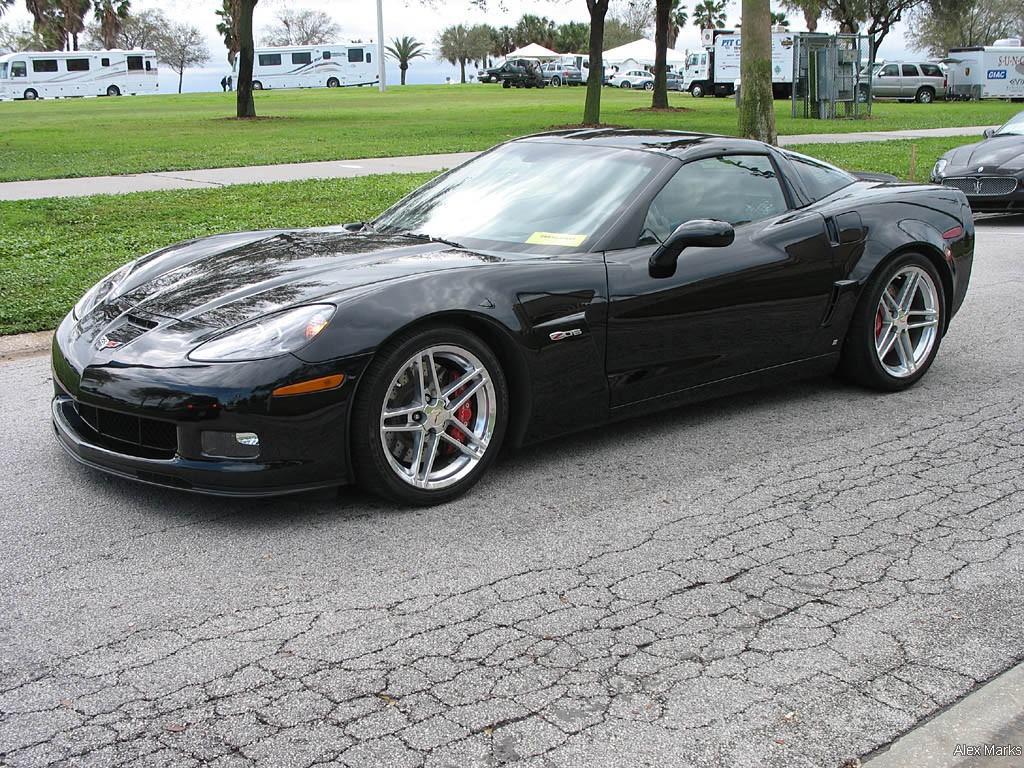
[919, 81]
[632, 78]
[521, 73]
[554, 283]
[557, 74]
[989, 172]
[489, 75]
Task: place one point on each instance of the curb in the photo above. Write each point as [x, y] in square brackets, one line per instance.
[23, 345]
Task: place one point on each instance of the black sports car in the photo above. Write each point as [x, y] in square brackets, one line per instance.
[989, 172]
[555, 282]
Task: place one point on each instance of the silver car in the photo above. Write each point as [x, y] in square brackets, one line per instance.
[920, 81]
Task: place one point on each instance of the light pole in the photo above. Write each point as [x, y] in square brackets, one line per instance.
[383, 85]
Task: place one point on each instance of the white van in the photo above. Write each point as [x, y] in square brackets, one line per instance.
[313, 66]
[579, 60]
[53, 74]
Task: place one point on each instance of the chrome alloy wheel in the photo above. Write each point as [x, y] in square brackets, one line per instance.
[907, 322]
[438, 417]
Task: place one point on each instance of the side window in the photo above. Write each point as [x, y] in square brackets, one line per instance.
[78, 65]
[890, 70]
[149, 66]
[733, 188]
[302, 58]
[327, 56]
[355, 54]
[44, 65]
[909, 70]
[270, 59]
[18, 69]
[104, 62]
[369, 57]
[134, 63]
[931, 70]
[819, 181]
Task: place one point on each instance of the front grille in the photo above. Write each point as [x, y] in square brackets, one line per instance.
[132, 431]
[981, 186]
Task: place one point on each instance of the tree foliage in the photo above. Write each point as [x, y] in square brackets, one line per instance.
[811, 10]
[461, 45]
[182, 46]
[302, 27]
[111, 15]
[227, 27]
[534, 29]
[636, 16]
[709, 14]
[572, 37]
[404, 50]
[938, 25]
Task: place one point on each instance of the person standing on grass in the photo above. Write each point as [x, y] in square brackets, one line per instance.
[229, 83]
[224, 84]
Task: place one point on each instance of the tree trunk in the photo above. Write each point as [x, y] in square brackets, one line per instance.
[662, 11]
[462, 70]
[403, 68]
[181, 76]
[595, 80]
[245, 107]
[757, 109]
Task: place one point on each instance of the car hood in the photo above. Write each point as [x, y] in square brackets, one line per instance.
[221, 281]
[1005, 152]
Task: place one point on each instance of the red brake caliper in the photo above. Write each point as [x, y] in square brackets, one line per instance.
[463, 414]
[878, 323]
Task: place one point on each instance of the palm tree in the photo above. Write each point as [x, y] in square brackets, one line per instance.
[779, 20]
[677, 20]
[405, 50]
[4, 5]
[112, 15]
[461, 45]
[709, 14]
[227, 27]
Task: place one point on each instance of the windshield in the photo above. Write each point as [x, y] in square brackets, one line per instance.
[3, 71]
[528, 196]
[1013, 126]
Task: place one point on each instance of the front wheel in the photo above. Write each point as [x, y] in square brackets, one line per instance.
[625, 84]
[506, 84]
[113, 91]
[896, 328]
[697, 91]
[648, 86]
[429, 417]
[333, 82]
[31, 95]
[925, 96]
[556, 82]
[257, 85]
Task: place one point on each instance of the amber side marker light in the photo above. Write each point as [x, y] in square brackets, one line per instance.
[313, 385]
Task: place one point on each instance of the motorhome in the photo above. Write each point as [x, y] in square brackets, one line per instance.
[53, 74]
[313, 66]
[716, 69]
[986, 72]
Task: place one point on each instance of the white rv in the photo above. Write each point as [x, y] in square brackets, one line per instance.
[38, 75]
[989, 72]
[313, 66]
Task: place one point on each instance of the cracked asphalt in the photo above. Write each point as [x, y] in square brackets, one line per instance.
[787, 578]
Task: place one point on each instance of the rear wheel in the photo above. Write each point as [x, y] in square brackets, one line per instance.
[429, 417]
[31, 95]
[113, 90]
[506, 84]
[649, 86]
[257, 85]
[896, 329]
[625, 84]
[697, 91]
[333, 82]
[925, 95]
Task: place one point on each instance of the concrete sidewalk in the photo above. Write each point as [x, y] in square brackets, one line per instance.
[334, 169]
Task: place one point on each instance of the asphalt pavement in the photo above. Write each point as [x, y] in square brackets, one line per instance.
[795, 577]
[220, 177]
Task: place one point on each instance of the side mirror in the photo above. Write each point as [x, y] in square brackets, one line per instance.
[697, 233]
[989, 133]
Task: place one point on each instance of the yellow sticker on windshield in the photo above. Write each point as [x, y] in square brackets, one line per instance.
[556, 238]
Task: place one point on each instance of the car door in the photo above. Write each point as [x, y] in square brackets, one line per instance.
[910, 81]
[887, 83]
[725, 311]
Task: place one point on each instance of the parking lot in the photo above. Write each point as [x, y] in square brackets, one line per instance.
[785, 578]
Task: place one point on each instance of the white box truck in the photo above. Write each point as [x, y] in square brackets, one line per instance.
[716, 69]
[986, 72]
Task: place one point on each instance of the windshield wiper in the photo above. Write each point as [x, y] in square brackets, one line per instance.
[431, 239]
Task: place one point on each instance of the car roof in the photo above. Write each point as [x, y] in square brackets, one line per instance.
[675, 143]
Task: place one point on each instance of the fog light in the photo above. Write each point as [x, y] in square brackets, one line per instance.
[230, 445]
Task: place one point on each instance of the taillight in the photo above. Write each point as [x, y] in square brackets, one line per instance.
[953, 234]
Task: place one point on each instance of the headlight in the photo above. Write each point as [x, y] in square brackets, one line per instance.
[940, 167]
[101, 291]
[268, 336]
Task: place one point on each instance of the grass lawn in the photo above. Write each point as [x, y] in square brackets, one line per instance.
[52, 250]
[91, 137]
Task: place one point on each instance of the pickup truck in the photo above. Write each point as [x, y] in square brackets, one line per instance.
[521, 73]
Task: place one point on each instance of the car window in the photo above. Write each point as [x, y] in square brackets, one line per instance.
[734, 188]
[909, 70]
[889, 70]
[931, 70]
[818, 180]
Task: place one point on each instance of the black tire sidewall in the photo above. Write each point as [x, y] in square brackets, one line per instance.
[860, 361]
[371, 467]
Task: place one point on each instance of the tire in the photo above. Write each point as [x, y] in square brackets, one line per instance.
[556, 82]
[332, 82]
[257, 85]
[432, 449]
[506, 84]
[31, 95]
[925, 95]
[648, 86]
[862, 94]
[697, 91]
[113, 90]
[894, 336]
[626, 84]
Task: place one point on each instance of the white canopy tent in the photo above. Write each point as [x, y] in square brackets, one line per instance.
[643, 52]
[533, 51]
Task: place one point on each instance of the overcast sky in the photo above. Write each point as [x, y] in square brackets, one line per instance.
[358, 20]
